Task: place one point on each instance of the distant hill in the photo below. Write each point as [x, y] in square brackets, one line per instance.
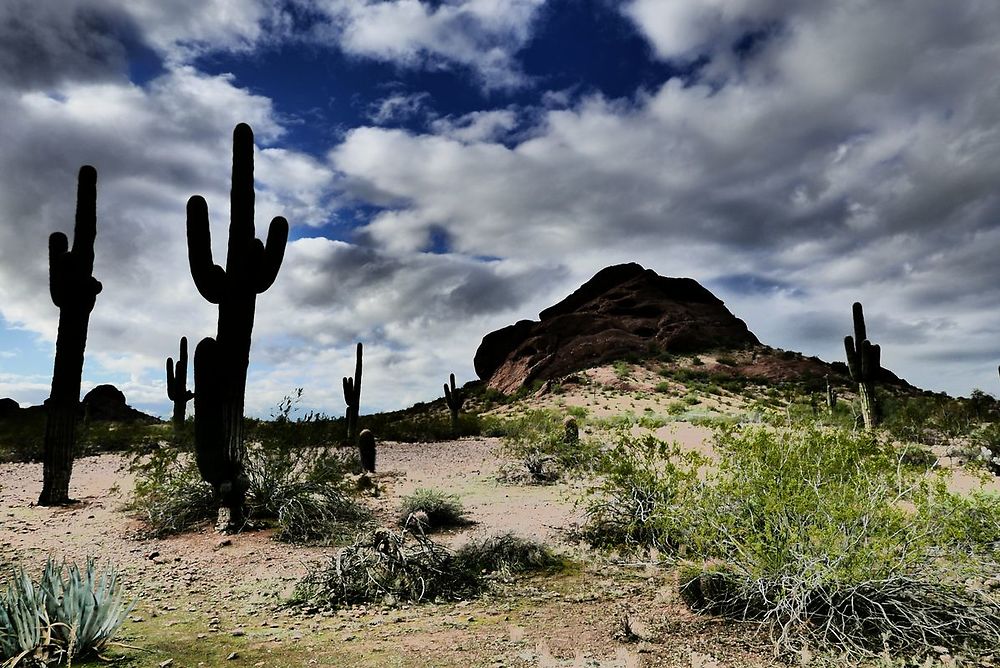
[103, 403]
[628, 312]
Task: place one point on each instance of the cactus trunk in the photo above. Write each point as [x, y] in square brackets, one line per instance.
[74, 290]
[220, 364]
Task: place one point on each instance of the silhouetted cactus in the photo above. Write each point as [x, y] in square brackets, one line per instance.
[220, 364]
[453, 397]
[352, 397]
[177, 390]
[366, 447]
[863, 362]
[74, 290]
[831, 395]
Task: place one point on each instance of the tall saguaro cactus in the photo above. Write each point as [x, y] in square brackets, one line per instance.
[220, 364]
[177, 390]
[863, 362]
[74, 290]
[454, 399]
[352, 397]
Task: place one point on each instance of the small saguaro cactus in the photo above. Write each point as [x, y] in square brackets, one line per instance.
[74, 290]
[571, 431]
[177, 390]
[220, 364]
[831, 395]
[366, 448]
[453, 397]
[352, 396]
[863, 362]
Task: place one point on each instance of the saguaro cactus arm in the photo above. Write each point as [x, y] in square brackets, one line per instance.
[71, 281]
[271, 254]
[209, 278]
[177, 381]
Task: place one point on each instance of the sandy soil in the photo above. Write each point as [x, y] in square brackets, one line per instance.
[202, 596]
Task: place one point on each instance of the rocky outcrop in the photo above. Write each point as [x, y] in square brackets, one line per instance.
[623, 310]
[107, 402]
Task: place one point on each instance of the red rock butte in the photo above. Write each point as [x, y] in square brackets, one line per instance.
[624, 310]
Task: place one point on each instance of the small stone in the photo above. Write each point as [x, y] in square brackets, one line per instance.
[232, 656]
[239, 632]
[166, 664]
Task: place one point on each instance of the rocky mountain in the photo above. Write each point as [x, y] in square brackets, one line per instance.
[626, 311]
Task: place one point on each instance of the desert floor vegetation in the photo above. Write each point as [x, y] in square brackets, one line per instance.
[756, 533]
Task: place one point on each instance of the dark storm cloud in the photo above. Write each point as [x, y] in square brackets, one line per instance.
[45, 43]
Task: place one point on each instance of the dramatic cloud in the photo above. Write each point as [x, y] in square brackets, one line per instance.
[811, 155]
[853, 154]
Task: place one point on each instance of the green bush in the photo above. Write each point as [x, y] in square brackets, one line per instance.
[440, 510]
[663, 386]
[824, 534]
[638, 498]
[169, 495]
[61, 617]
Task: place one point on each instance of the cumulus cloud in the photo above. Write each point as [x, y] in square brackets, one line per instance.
[853, 154]
[480, 35]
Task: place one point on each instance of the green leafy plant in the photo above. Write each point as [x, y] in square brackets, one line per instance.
[70, 613]
[828, 536]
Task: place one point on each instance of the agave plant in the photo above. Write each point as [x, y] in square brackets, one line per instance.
[61, 616]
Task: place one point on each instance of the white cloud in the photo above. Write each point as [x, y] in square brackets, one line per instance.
[399, 107]
[482, 35]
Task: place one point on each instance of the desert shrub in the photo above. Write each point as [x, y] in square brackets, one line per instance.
[536, 439]
[823, 534]
[623, 370]
[725, 360]
[507, 553]
[305, 490]
[390, 567]
[662, 386]
[437, 509]
[986, 440]
[106, 436]
[60, 617]
[638, 497]
[296, 484]
[169, 495]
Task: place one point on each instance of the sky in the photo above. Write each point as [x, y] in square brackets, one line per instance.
[448, 167]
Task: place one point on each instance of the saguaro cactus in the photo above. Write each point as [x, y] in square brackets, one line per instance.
[177, 390]
[220, 364]
[74, 290]
[863, 362]
[454, 399]
[352, 397]
[571, 431]
[831, 395]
